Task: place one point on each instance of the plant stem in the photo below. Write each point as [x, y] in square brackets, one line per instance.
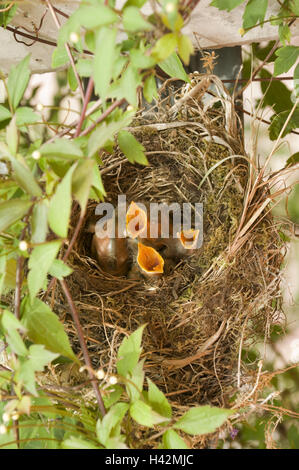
[87, 360]
[87, 97]
[103, 116]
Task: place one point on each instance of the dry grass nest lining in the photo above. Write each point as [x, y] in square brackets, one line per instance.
[202, 311]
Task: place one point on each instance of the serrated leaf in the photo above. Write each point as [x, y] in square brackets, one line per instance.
[202, 420]
[39, 222]
[82, 181]
[150, 89]
[174, 68]
[254, 12]
[284, 33]
[227, 5]
[171, 440]
[25, 116]
[4, 113]
[133, 20]
[24, 177]
[11, 211]
[140, 60]
[277, 123]
[129, 352]
[60, 205]
[158, 400]
[129, 83]
[17, 81]
[132, 149]
[40, 260]
[293, 159]
[113, 396]
[110, 420]
[61, 148]
[95, 16]
[164, 47]
[59, 269]
[43, 327]
[105, 55]
[286, 57]
[143, 414]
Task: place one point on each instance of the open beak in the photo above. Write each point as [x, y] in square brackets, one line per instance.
[136, 220]
[189, 238]
[149, 260]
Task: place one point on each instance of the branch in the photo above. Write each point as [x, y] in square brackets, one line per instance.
[103, 116]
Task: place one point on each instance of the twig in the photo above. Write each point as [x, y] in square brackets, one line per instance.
[103, 116]
[80, 333]
[68, 49]
[87, 97]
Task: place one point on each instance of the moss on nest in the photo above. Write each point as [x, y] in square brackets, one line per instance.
[208, 306]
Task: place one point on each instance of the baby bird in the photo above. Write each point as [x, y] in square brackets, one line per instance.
[111, 253]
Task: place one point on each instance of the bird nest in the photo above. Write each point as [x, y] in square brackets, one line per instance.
[208, 307]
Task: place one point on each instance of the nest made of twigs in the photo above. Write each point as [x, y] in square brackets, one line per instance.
[207, 307]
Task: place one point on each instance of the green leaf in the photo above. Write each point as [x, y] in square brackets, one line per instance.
[110, 420]
[85, 67]
[171, 440]
[271, 90]
[38, 358]
[17, 82]
[136, 3]
[40, 260]
[71, 78]
[143, 414]
[134, 385]
[128, 85]
[131, 148]
[12, 136]
[61, 148]
[104, 60]
[60, 205]
[185, 48]
[293, 159]
[43, 327]
[116, 392]
[133, 20]
[59, 269]
[24, 177]
[277, 123]
[94, 16]
[60, 57]
[26, 115]
[158, 400]
[97, 183]
[129, 352]
[254, 12]
[174, 68]
[164, 47]
[202, 420]
[82, 181]
[286, 57]
[39, 222]
[284, 33]
[9, 324]
[150, 89]
[105, 132]
[11, 211]
[296, 81]
[7, 16]
[77, 443]
[227, 5]
[140, 60]
[295, 7]
[4, 113]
